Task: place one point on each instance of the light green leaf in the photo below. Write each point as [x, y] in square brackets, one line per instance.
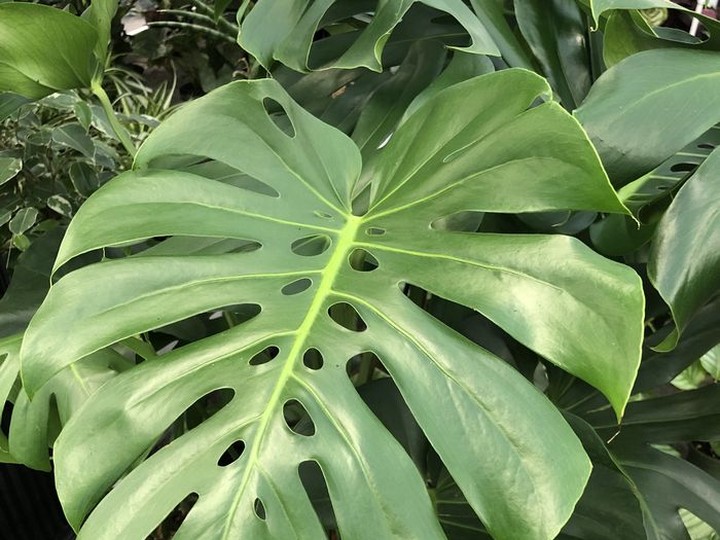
[621, 111]
[710, 361]
[9, 167]
[23, 220]
[100, 15]
[552, 293]
[284, 31]
[43, 49]
[9, 369]
[684, 264]
[34, 424]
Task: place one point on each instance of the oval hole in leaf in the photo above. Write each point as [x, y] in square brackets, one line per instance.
[313, 480]
[706, 146]
[264, 356]
[683, 167]
[347, 316]
[310, 246]
[176, 516]
[313, 359]
[363, 261]
[232, 454]
[323, 215]
[375, 231]
[296, 287]
[259, 509]
[297, 418]
[279, 116]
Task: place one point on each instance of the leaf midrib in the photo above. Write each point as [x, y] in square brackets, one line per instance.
[345, 243]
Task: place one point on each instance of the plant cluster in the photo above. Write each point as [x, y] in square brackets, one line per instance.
[364, 270]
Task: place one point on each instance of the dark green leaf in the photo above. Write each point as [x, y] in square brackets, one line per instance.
[556, 32]
[684, 263]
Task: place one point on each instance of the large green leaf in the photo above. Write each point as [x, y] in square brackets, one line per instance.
[621, 111]
[43, 49]
[284, 31]
[476, 146]
[684, 263]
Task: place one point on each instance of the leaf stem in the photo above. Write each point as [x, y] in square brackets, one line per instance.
[121, 133]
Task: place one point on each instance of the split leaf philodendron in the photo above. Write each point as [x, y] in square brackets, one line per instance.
[330, 280]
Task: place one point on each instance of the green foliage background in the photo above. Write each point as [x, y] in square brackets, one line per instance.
[346, 269]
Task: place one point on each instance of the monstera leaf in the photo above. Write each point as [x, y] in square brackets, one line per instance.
[684, 262]
[323, 246]
[285, 31]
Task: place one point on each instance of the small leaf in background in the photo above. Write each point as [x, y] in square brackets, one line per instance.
[74, 136]
[5, 216]
[710, 361]
[690, 378]
[9, 167]
[83, 178]
[60, 205]
[9, 103]
[83, 114]
[23, 220]
[21, 242]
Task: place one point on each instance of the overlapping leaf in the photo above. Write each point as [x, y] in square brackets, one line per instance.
[328, 284]
[284, 31]
[44, 49]
[684, 264]
[621, 111]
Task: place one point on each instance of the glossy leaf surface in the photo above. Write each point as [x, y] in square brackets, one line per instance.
[284, 31]
[307, 266]
[43, 50]
[621, 111]
[684, 264]
[555, 31]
